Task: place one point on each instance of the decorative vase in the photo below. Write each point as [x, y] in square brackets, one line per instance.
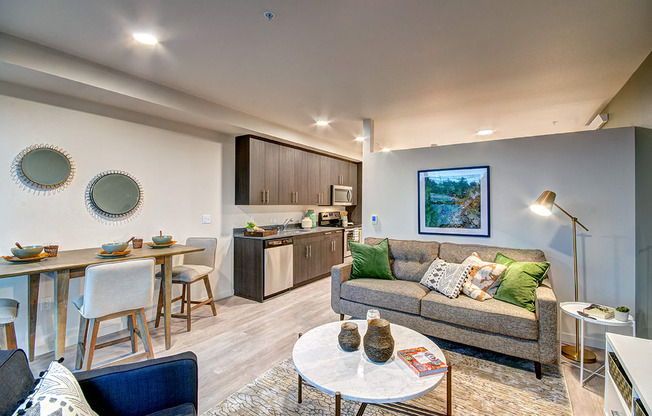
[349, 337]
[313, 217]
[378, 341]
[621, 316]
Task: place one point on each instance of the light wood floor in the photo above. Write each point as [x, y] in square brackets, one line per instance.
[247, 338]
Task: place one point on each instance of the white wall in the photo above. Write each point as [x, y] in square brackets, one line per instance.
[592, 174]
[183, 176]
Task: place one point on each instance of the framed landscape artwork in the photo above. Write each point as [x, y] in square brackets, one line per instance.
[454, 201]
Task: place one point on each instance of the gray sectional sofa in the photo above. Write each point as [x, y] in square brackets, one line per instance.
[493, 325]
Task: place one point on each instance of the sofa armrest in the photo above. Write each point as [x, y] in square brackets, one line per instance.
[545, 304]
[339, 275]
[141, 388]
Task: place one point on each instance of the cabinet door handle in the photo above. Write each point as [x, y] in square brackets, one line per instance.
[296, 198]
[307, 251]
[262, 196]
[332, 245]
[267, 196]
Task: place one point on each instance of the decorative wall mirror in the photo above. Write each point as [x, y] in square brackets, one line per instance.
[114, 195]
[43, 167]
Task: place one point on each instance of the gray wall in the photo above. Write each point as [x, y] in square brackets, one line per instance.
[643, 232]
[632, 105]
[592, 174]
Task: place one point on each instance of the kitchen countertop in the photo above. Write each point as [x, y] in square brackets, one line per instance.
[289, 232]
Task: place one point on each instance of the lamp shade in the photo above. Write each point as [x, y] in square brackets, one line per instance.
[543, 204]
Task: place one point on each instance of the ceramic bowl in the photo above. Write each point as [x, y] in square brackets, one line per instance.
[112, 247]
[162, 240]
[26, 251]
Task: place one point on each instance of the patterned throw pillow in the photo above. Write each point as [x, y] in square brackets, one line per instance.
[484, 278]
[58, 393]
[446, 278]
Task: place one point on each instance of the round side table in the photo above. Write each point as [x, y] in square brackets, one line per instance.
[572, 309]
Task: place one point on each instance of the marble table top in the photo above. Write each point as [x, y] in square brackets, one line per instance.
[321, 362]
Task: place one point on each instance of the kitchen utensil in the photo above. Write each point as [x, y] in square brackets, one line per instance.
[129, 241]
[25, 252]
[18, 245]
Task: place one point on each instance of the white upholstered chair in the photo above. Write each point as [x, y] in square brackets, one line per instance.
[8, 314]
[113, 290]
[196, 266]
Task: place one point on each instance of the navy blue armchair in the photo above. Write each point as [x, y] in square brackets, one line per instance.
[161, 387]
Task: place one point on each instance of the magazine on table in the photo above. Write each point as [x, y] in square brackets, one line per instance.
[422, 361]
[599, 311]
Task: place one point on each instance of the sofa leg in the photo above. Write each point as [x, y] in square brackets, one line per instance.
[341, 317]
[537, 370]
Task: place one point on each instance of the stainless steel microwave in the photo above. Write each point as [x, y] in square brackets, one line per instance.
[341, 195]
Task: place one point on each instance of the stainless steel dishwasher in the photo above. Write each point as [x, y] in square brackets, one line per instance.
[279, 274]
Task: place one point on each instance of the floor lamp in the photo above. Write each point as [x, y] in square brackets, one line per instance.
[543, 206]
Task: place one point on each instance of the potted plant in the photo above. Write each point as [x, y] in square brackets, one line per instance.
[622, 313]
[250, 226]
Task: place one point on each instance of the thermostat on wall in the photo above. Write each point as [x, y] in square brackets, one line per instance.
[374, 219]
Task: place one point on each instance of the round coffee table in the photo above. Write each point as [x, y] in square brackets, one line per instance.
[321, 362]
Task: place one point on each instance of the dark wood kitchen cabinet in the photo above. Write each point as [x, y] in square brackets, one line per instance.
[315, 254]
[293, 171]
[257, 172]
[269, 173]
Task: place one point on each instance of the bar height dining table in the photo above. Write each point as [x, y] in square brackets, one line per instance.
[70, 264]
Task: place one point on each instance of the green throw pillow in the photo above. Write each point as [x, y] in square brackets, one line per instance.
[520, 281]
[371, 261]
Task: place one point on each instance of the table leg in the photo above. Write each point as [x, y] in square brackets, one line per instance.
[581, 352]
[32, 293]
[166, 271]
[449, 391]
[361, 410]
[62, 282]
[299, 392]
[338, 403]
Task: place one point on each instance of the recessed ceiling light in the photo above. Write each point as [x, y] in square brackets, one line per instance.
[485, 132]
[359, 139]
[146, 38]
[322, 123]
[385, 149]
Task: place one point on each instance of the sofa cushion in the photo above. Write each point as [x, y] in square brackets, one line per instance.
[447, 278]
[399, 295]
[484, 279]
[456, 253]
[491, 315]
[17, 380]
[520, 281]
[409, 259]
[371, 261]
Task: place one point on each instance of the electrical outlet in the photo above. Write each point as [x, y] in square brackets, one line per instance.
[206, 219]
[45, 304]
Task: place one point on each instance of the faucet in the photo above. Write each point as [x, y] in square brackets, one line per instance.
[286, 222]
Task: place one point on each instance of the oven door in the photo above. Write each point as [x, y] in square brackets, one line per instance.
[351, 234]
[341, 195]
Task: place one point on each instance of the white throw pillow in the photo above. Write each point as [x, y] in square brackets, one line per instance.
[58, 393]
[484, 278]
[446, 278]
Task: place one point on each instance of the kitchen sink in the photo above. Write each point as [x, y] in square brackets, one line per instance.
[296, 231]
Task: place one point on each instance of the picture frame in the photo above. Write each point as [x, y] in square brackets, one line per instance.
[454, 201]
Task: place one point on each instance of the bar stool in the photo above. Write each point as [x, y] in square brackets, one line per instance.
[196, 266]
[8, 314]
[113, 290]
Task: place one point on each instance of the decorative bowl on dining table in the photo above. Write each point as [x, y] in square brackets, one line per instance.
[14, 259]
[26, 252]
[113, 247]
[114, 254]
[161, 239]
[168, 244]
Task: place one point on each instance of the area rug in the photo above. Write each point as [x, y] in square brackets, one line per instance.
[484, 383]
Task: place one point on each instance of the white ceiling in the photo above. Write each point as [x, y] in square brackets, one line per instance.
[430, 71]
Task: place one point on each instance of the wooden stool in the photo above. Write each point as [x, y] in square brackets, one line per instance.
[196, 267]
[114, 290]
[8, 314]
